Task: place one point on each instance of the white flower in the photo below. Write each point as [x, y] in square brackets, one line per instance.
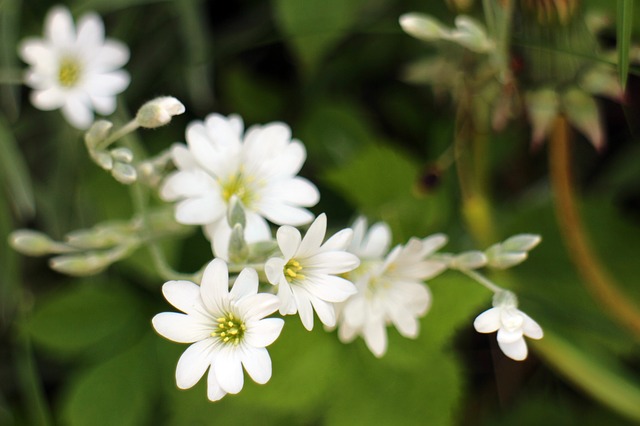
[77, 71]
[390, 289]
[227, 329]
[510, 323]
[259, 168]
[306, 274]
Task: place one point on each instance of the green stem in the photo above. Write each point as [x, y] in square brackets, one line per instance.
[237, 267]
[13, 77]
[123, 131]
[481, 279]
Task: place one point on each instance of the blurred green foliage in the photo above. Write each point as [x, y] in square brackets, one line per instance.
[331, 70]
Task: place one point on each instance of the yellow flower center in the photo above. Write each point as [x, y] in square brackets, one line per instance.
[240, 186]
[230, 330]
[69, 72]
[292, 270]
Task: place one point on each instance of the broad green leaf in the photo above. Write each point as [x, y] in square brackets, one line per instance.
[601, 377]
[380, 182]
[14, 174]
[119, 391]
[313, 27]
[84, 318]
[624, 29]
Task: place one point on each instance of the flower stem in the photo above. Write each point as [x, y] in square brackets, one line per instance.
[11, 77]
[598, 281]
[481, 279]
[122, 131]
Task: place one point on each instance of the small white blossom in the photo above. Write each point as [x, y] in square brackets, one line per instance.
[390, 288]
[259, 168]
[510, 323]
[75, 70]
[227, 328]
[159, 111]
[306, 275]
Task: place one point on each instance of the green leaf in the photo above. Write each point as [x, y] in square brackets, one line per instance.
[314, 27]
[83, 319]
[119, 391]
[624, 28]
[380, 182]
[14, 173]
[603, 378]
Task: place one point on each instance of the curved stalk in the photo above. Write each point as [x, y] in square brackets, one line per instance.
[597, 279]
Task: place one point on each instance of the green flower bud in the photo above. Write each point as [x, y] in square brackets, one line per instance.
[32, 243]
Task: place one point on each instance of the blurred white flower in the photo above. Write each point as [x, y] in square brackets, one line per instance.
[77, 71]
[227, 328]
[510, 323]
[306, 275]
[390, 289]
[259, 168]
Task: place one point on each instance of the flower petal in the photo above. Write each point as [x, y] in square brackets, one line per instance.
[274, 268]
[375, 336]
[245, 285]
[288, 239]
[488, 321]
[214, 391]
[193, 363]
[314, 236]
[531, 328]
[264, 332]
[184, 295]
[180, 328]
[258, 364]
[516, 350]
[228, 370]
[214, 288]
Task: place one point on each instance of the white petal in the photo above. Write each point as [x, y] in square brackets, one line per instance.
[258, 364]
[406, 324]
[354, 311]
[329, 287]
[108, 84]
[258, 306]
[338, 241]
[77, 112]
[90, 31]
[214, 288]
[506, 336]
[314, 236]
[304, 307]
[184, 295]
[289, 239]
[113, 55]
[325, 311]
[182, 157]
[245, 285]
[297, 191]
[375, 336]
[531, 328]
[347, 333]
[287, 301]
[332, 262]
[228, 370]
[36, 51]
[198, 211]
[376, 243]
[180, 328]
[292, 158]
[214, 391]
[48, 99]
[274, 270]
[488, 321]
[283, 214]
[59, 27]
[105, 105]
[187, 184]
[193, 363]
[264, 332]
[516, 350]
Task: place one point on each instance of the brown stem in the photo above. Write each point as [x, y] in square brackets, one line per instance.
[598, 281]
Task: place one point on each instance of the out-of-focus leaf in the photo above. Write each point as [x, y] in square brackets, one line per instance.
[380, 182]
[83, 318]
[14, 173]
[119, 391]
[313, 27]
[257, 98]
[624, 28]
[601, 377]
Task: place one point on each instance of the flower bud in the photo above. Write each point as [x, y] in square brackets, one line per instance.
[542, 108]
[32, 243]
[80, 265]
[470, 34]
[102, 159]
[123, 155]
[124, 173]
[423, 27]
[521, 242]
[97, 133]
[582, 112]
[235, 213]
[158, 112]
[468, 260]
[238, 249]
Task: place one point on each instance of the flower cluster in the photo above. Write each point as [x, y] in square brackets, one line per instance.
[240, 186]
